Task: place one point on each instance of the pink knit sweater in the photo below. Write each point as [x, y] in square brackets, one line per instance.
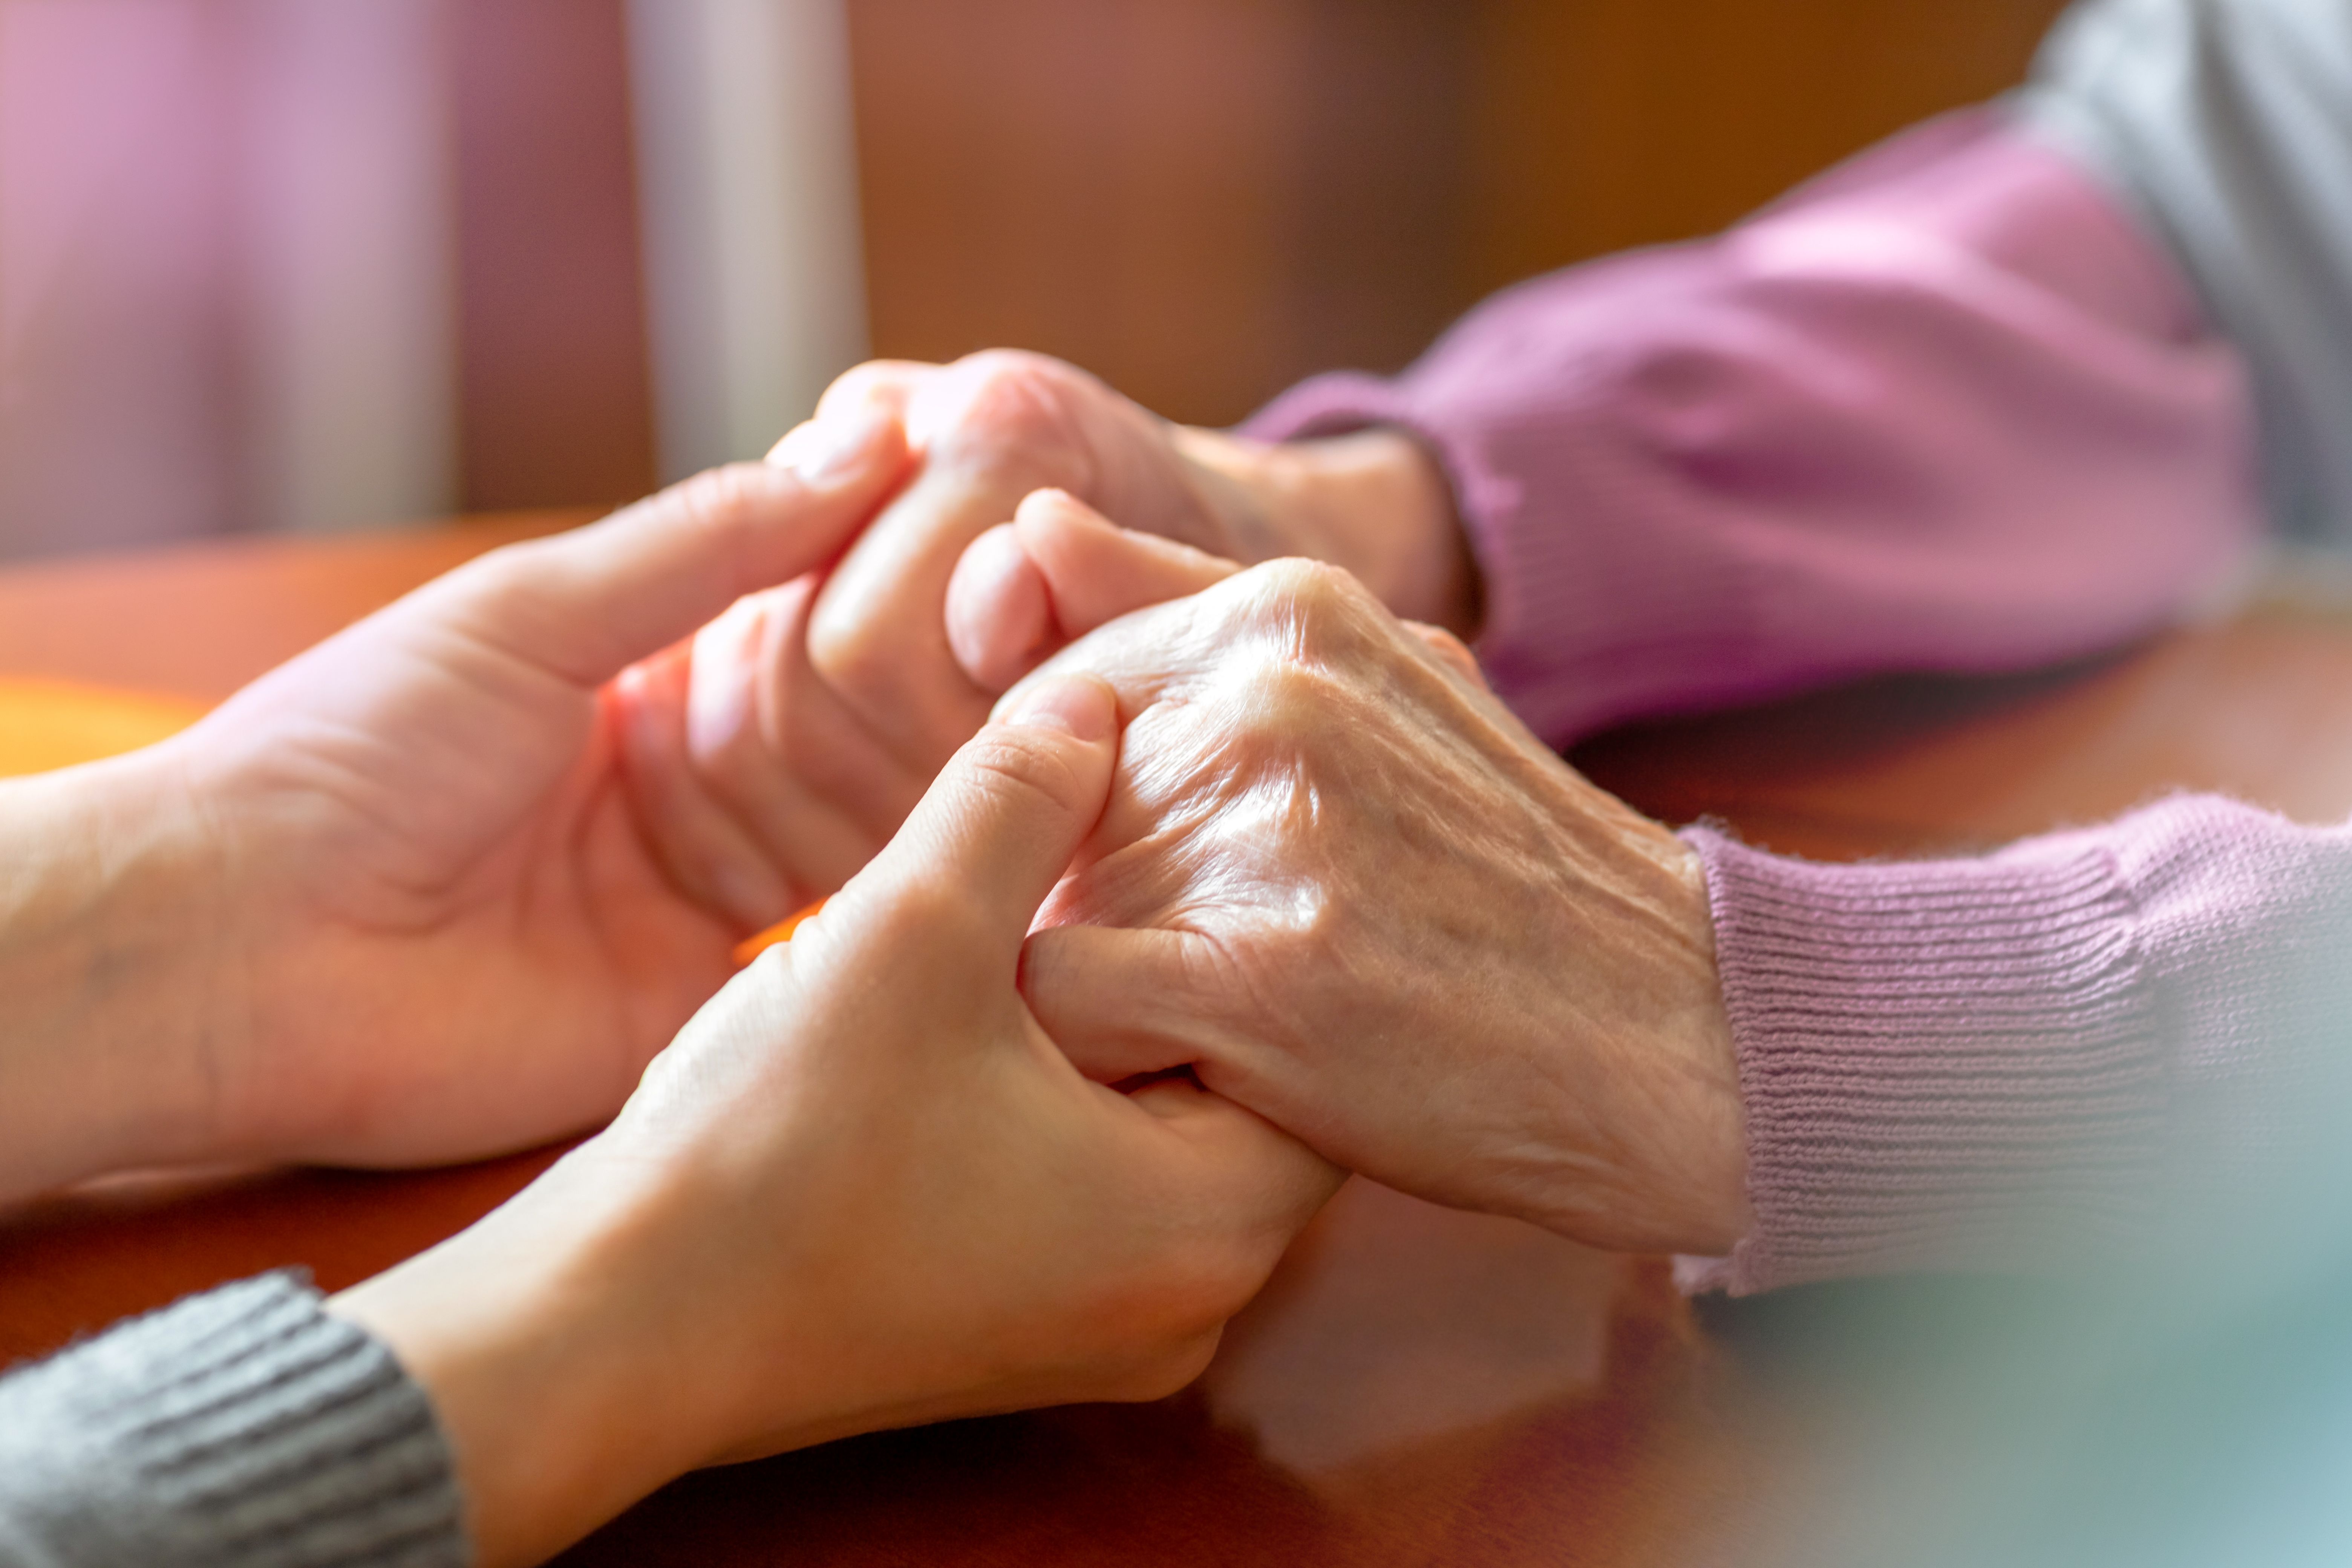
[1945, 409]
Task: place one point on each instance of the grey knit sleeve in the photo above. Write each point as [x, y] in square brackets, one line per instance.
[243, 1427]
[2227, 126]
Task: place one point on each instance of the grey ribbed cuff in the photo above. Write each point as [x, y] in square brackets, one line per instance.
[243, 1427]
[1948, 1065]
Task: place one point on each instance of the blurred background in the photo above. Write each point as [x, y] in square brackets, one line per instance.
[271, 265]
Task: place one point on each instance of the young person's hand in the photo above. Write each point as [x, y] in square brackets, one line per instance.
[789, 739]
[863, 1189]
[1342, 884]
[393, 903]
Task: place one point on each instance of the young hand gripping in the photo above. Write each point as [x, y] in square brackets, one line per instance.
[786, 744]
[863, 1189]
[393, 903]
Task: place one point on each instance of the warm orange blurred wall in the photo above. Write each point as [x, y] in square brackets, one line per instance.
[1203, 200]
[1607, 123]
[1206, 199]
[1197, 198]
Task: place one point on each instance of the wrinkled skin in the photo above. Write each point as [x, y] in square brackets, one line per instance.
[1339, 879]
[785, 743]
[790, 738]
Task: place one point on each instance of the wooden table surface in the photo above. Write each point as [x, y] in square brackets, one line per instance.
[1416, 1386]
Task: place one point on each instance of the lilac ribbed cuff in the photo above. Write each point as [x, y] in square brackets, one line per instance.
[1946, 1064]
[1579, 631]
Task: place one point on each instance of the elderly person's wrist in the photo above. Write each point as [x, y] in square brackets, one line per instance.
[112, 927]
[1374, 501]
[1676, 1178]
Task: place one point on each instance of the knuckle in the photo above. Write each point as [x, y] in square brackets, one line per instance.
[1446, 646]
[1008, 401]
[859, 382]
[1315, 586]
[1285, 699]
[1307, 609]
[1016, 370]
[1000, 765]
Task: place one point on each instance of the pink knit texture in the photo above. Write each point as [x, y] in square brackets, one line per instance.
[2011, 1063]
[1945, 409]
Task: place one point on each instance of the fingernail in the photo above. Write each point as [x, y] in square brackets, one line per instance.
[1082, 709]
[823, 452]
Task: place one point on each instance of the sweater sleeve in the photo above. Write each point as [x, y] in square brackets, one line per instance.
[244, 1427]
[2072, 1047]
[1947, 409]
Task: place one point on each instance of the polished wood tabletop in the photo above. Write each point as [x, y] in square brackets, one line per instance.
[1416, 1386]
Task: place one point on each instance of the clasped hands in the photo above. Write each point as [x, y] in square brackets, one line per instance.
[449, 883]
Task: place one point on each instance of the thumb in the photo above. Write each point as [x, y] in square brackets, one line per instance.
[1096, 571]
[1058, 570]
[1000, 824]
[587, 604]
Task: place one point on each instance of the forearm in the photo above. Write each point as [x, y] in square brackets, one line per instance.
[110, 928]
[1948, 410]
[563, 1369]
[2054, 1055]
[554, 1375]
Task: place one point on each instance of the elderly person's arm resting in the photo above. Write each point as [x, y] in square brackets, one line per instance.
[1342, 883]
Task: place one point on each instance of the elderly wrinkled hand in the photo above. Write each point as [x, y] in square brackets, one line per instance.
[1344, 886]
[787, 741]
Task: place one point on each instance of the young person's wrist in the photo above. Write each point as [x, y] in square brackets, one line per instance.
[577, 1348]
[534, 1336]
[1375, 502]
[585, 1346]
[113, 920]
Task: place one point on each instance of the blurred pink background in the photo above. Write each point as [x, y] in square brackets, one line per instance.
[320, 264]
[225, 268]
